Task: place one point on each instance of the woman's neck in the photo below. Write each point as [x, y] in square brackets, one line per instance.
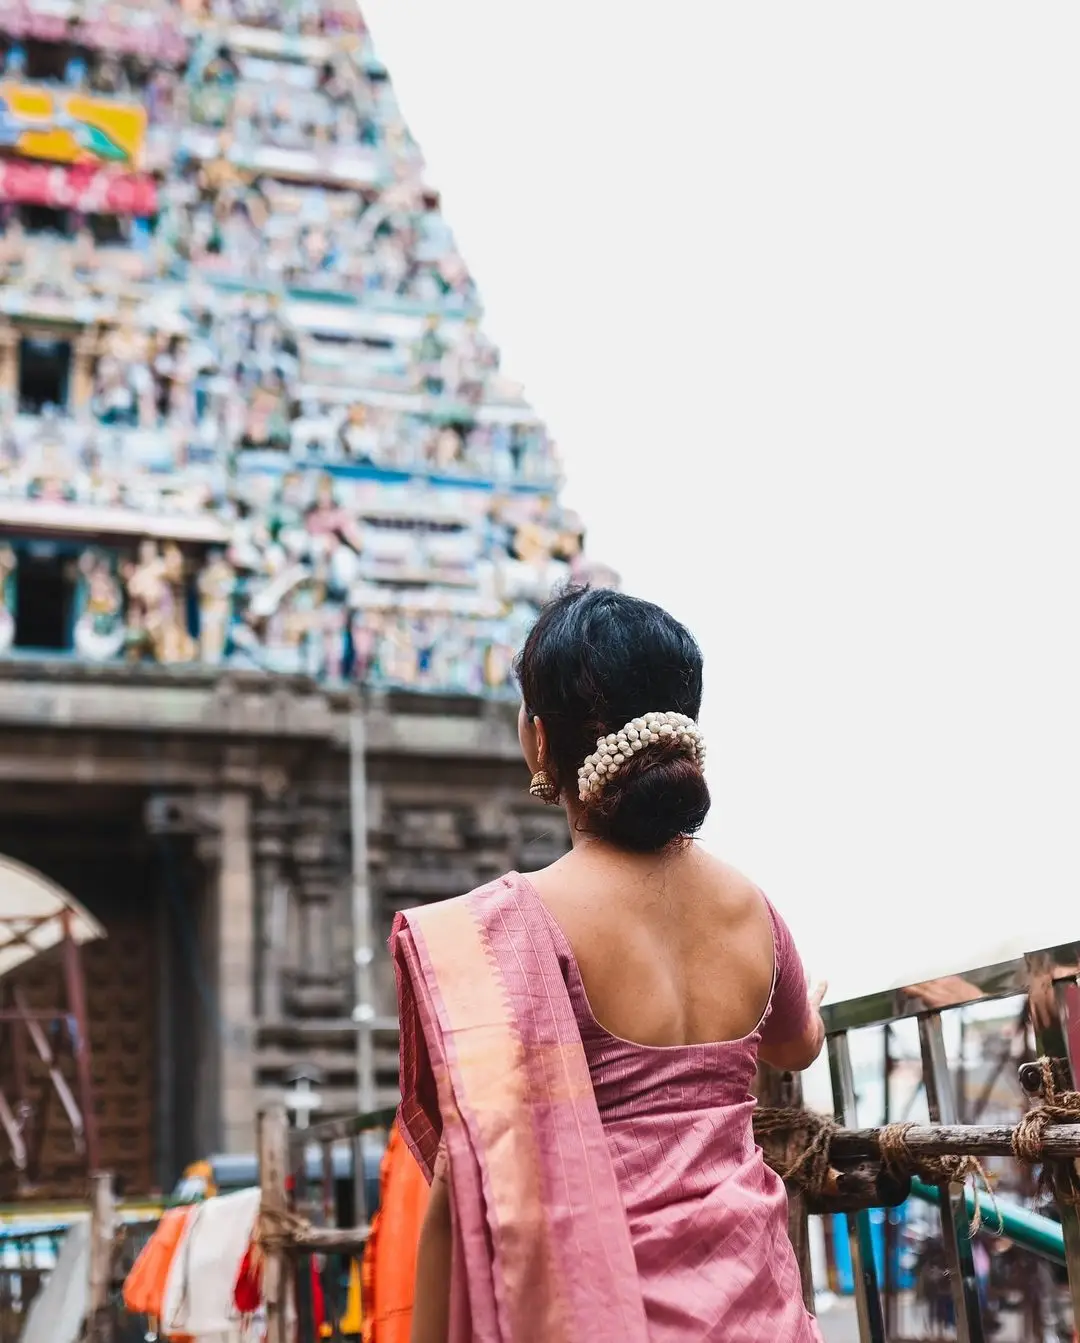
[585, 845]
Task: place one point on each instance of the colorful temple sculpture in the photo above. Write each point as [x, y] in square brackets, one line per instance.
[260, 471]
[248, 413]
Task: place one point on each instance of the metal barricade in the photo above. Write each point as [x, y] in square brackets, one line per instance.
[1031, 1289]
[319, 1190]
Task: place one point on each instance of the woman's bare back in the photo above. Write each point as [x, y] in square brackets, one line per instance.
[673, 948]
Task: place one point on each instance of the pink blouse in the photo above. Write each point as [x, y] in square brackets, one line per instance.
[707, 1217]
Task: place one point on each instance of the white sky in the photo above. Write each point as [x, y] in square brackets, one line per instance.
[796, 287]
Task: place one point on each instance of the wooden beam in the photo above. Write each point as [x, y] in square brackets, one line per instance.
[273, 1150]
[102, 1240]
[1060, 1142]
[331, 1240]
[865, 1185]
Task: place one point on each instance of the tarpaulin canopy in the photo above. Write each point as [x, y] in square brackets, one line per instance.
[33, 915]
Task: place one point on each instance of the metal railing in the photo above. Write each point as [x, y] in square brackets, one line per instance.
[942, 1271]
[329, 1216]
[1018, 1279]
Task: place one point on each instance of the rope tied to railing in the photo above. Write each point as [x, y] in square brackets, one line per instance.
[806, 1157]
[1051, 1107]
[278, 1229]
[958, 1168]
[806, 1163]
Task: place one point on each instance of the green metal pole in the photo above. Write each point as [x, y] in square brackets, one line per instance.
[1026, 1229]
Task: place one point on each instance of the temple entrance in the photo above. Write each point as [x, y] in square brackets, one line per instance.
[45, 1069]
[98, 859]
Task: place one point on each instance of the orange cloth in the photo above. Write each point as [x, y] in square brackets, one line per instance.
[144, 1287]
[390, 1255]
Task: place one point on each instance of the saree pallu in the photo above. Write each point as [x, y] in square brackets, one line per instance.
[493, 1067]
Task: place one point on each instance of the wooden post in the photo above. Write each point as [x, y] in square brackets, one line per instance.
[785, 1090]
[102, 1238]
[299, 1187]
[273, 1144]
[798, 1227]
[329, 1185]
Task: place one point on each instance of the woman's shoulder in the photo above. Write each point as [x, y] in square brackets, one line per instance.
[726, 876]
[743, 893]
[503, 891]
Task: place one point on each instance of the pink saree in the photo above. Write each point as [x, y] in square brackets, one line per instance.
[561, 1229]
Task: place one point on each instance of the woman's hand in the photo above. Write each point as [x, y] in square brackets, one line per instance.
[817, 994]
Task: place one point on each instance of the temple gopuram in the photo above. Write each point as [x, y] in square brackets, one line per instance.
[273, 522]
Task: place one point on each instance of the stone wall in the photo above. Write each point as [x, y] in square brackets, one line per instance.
[235, 794]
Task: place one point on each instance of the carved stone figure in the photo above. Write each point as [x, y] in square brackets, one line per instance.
[157, 605]
[216, 586]
[99, 630]
[334, 620]
[177, 645]
[147, 595]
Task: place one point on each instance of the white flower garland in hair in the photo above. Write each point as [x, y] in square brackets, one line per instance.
[616, 748]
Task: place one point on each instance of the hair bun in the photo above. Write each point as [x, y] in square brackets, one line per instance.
[657, 796]
[596, 658]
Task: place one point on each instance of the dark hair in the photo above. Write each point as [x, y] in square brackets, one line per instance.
[594, 660]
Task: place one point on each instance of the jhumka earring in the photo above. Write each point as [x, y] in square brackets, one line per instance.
[543, 787]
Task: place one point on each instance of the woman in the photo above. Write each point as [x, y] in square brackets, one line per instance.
[578, 1044]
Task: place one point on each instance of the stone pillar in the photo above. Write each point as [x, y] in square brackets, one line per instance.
[319, 988]
[225, 1100]
[235, 973]
[272, 914]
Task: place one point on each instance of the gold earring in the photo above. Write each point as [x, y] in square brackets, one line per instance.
[543, 788]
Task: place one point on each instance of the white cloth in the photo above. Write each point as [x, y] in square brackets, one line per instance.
[57, 1312]
[198, 1298]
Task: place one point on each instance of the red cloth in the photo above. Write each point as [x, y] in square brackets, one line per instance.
[248, 1291]
[247, 1294]
[318, 1300]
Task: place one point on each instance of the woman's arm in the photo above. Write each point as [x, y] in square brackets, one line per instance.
[792, 1033]
[799, 1052]
[431, 1304]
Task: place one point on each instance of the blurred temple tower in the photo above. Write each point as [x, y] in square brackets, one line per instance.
[272, 524]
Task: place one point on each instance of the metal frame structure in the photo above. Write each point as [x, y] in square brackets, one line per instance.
[1048, 980]
[52, 923]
